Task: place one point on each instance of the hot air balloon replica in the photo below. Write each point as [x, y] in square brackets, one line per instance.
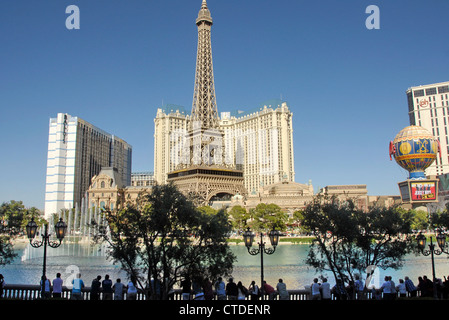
[414, 148]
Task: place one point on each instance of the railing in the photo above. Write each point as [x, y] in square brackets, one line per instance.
[33, 292]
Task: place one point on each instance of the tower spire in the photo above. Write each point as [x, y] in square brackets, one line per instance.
[204, 107]
[204, 14]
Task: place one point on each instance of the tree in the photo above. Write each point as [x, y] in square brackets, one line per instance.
[207, 210]
[164, 238]
[420, 220]
[296, 220]
[13, 218]
[268, 216]
[440, 220]
[348, 240]
[239, 217]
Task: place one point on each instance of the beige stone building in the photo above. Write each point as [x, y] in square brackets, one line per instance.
[359, 194]
[107, 190]
[291, 196]
[288, 195]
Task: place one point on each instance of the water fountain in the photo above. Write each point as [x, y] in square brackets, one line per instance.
[78, 240]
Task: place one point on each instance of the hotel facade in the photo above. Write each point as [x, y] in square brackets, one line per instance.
[259, 143]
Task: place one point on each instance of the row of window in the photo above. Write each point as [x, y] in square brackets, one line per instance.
[102, 195]
[430, 91]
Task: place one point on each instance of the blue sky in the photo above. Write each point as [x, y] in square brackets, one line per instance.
[345, 84]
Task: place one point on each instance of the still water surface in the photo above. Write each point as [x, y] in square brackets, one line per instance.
[286, 263]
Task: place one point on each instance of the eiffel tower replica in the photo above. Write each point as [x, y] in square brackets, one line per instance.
[205, 173]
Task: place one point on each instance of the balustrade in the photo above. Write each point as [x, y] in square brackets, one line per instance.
[32, 292]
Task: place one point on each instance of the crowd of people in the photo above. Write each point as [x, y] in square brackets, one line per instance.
[191, 290]
[204, 290]
[104, 288]
[388, 290]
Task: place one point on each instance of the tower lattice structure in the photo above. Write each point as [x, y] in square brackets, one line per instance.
[204, 175]
[204, 108]
[205, 144]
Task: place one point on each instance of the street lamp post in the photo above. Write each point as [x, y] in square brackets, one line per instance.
[432, 251]
[248, 238]
[31, 229]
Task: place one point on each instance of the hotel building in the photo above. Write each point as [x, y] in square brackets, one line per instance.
[142, 179]
[428, 107]
[258, 142]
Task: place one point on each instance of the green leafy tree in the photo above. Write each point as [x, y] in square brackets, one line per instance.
[268, 216]
[33, 213]
[420, 219]
[297, 216]
[347, 240]
[207, 210]
[440, 220]
[239, 217]
[12, 214]
[164, 238]
[297, 219]
[13, 218]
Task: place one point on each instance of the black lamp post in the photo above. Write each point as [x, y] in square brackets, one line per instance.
[441, 240]
[60, 229]
[248, 238]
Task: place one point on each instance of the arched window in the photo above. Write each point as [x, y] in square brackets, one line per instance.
[102, 204]
[102, 184]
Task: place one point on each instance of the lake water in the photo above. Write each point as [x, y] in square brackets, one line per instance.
[286, 263]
